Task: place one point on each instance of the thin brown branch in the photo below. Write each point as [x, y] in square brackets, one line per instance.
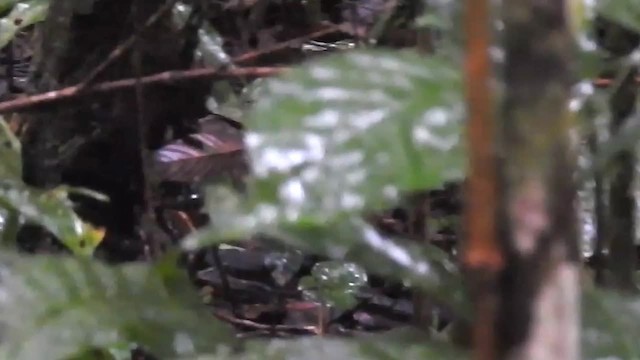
[126, 45]
[24, 103]
[482, 255]
[605, 83]
[166, 77]
[252, 55]
[254, 325]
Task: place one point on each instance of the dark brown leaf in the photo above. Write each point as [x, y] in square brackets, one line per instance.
[214, 153]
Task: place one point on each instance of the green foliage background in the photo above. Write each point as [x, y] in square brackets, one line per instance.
[327, 141]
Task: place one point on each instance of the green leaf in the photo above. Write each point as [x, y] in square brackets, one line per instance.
[10, 158]
[353, 131]
[55, 307]
[346, 134]
[10, 227]
[54, 211]
[432, 21]
[340, 136]
[623, 12]
[51, 208]
[334, 283]
[23, 14]
[7, 4]
[387, 347]
[611, 325]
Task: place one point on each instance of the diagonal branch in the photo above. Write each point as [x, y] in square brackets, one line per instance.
[166, 77]
[126, 45]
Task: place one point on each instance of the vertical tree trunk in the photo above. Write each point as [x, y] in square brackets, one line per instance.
[621, 218]
[539, 312]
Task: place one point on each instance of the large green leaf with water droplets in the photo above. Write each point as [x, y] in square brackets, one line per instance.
[611, 325]
[352, 131]
[340, 136]
[334, 283]
[53, 307]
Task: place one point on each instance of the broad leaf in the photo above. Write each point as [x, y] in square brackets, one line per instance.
[54, 211]
[7, 4]
[352, 131]
[56, 307]
[611, 326]
[387, 346]
[51, 208]
[334, 283]
[347, 134]
[624, 12]
[338, 137]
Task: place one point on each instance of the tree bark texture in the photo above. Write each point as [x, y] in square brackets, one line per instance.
[539, 307]
[621, 227]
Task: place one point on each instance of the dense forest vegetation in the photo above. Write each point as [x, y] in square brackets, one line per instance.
[319, 179]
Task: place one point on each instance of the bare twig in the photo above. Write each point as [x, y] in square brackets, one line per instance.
[27, 102]
[252, 55]
[604, 82]
[24, 103]
[126, 45]
[482, 256]
[254, 325]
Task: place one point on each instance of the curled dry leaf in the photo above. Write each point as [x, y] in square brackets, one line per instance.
[215, 152]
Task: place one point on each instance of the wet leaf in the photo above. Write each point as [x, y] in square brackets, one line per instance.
[337, 137]
[284, 265]
[334, 283]
[210, 48]
[353, 131]
[210, 51]
[54, 211]
[236, 106]
[22, 14]
[55, 307]
[180, 14]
